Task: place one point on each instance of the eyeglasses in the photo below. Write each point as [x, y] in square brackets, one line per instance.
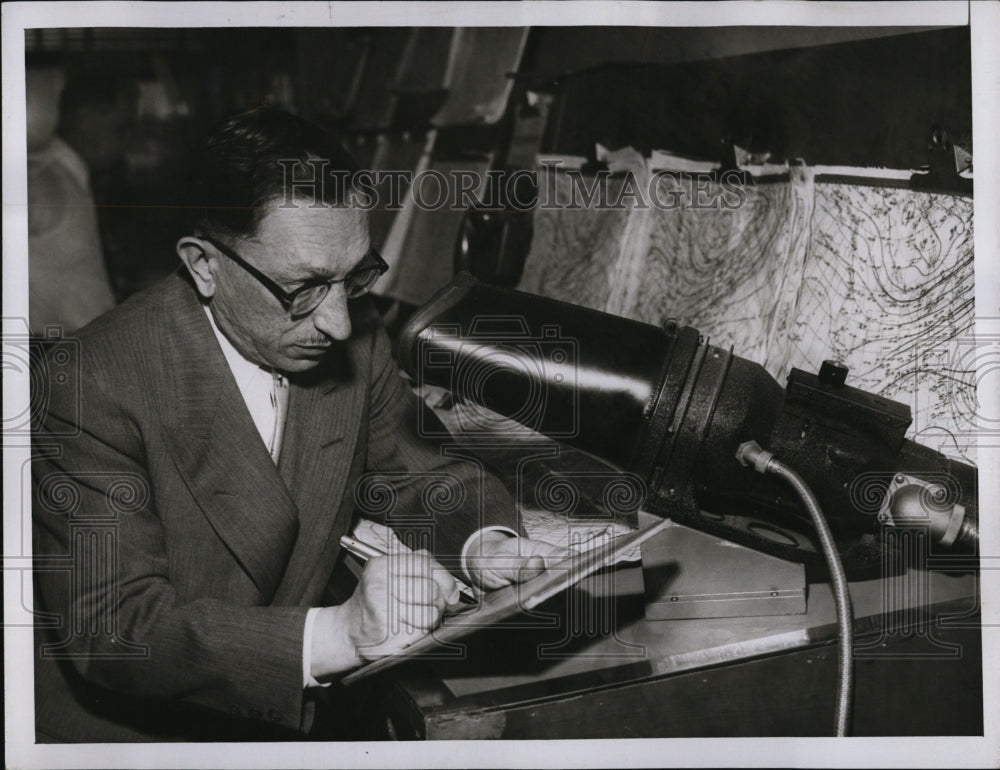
[307, 298]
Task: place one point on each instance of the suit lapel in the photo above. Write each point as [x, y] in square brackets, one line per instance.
[321, 435]
[217, 449]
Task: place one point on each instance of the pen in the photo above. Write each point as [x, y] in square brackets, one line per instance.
[365, 551]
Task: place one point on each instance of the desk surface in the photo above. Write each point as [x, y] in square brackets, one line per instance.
[588, 661]
[918, 671]
[583, 635]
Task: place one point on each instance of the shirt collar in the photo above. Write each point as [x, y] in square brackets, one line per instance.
[242, 368]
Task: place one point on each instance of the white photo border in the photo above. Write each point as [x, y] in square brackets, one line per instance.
[21, 752]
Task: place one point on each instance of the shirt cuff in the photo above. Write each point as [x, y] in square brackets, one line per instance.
[308, 680]
[473, 538]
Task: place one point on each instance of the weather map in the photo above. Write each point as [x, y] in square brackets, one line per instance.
[877, 277]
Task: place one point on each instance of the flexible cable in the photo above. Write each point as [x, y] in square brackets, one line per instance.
[764, 462]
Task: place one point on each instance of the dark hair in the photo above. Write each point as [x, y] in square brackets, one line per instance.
[247, 162]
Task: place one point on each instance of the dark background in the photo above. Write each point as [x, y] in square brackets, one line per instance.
[831, 96]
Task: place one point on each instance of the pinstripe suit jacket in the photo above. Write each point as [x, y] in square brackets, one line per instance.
[174, 561]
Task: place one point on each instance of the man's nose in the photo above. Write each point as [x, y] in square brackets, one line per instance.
[331, 316]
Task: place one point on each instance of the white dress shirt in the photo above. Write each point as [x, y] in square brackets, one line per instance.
[264, 391]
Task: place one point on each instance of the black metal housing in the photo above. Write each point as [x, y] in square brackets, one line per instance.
[663, 404]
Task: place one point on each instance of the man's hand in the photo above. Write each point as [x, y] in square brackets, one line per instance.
[399, 600]
[498, 559]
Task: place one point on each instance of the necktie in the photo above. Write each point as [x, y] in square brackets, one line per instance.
[279, 403]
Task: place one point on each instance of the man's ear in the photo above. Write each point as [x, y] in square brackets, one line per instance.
[200, 265]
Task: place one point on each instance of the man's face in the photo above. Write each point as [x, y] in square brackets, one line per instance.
[293, 246]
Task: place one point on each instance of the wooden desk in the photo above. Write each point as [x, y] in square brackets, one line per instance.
[589, 665]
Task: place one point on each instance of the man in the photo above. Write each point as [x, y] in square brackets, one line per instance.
[208, 447]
